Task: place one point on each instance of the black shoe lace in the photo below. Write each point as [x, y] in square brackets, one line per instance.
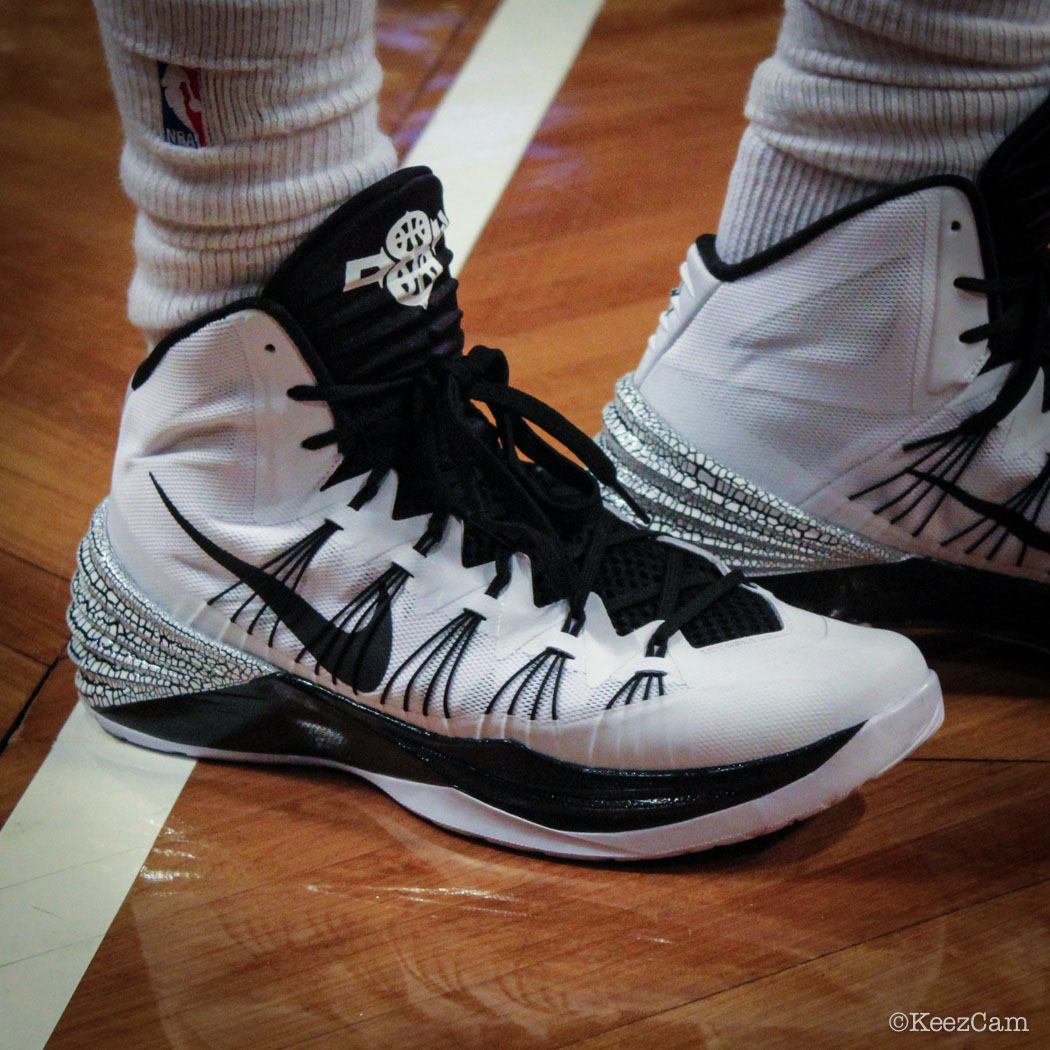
[1020, 308]
[452, 460]
[1014, 187]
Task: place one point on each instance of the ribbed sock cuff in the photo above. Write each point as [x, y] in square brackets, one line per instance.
[864, 94]
[274, 111]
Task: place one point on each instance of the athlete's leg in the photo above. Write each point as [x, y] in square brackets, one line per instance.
[861, 94]
[245, 124]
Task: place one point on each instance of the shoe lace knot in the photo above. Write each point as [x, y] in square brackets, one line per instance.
[512, 489]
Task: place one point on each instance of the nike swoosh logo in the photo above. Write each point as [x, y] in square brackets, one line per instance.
[360, 657]
[1017, 524]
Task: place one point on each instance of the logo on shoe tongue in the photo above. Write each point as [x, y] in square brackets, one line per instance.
[407, 266]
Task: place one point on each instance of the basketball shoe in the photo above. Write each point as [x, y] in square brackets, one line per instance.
[319, 549]
[858, 415]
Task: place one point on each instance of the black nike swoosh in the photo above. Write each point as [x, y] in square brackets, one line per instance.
[1026, 531]
[360, 657]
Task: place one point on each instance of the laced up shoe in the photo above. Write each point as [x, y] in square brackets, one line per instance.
[858, 415]
[319, 549]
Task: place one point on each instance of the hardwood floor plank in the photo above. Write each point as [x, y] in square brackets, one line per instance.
[982, 963]
[58, 520]
[418, 42]
[19, 676]
[388, 931]
[31, 742]
[997, 701]
[993, 726]
[429, 90]
[32, 616]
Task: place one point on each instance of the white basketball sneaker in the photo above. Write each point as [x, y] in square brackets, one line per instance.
[317, 549]
[858, 415]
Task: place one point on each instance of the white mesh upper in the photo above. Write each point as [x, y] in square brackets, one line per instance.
[808, 376]
[214, 425]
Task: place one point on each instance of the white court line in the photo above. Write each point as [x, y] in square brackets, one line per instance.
[72, 847]
[487, 118]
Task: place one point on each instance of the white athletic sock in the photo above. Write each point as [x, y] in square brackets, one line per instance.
[865, 93]
[245, 124]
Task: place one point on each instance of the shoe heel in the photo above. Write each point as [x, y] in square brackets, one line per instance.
[126, 648]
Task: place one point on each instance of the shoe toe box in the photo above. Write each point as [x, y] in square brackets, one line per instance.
[754, 697]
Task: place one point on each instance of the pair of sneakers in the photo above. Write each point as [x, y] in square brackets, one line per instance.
[335, 538]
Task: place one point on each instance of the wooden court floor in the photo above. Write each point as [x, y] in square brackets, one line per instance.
[290, 909]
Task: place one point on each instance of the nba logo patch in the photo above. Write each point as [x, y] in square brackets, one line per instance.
[182, 111]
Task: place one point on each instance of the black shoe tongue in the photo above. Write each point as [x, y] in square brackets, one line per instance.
[370, 287]
[1014, 184]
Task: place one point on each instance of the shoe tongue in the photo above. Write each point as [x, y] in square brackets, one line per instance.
[370, 287]
[1014, 185]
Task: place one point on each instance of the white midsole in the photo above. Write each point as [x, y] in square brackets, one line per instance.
[880, 743]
